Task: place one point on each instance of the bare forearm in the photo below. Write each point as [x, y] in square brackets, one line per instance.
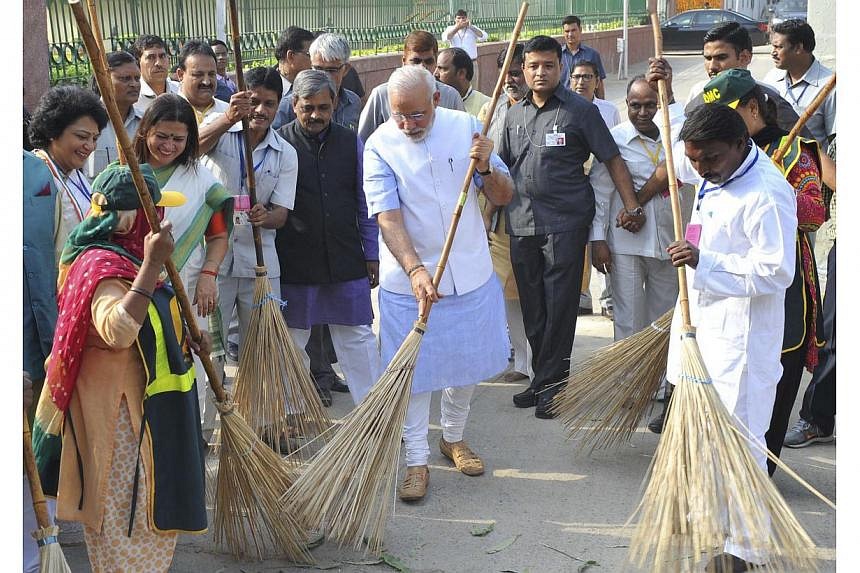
[135, 303]
[499, 188]
[657, 183]
[216, 250]
[622, 181]
[212, 132]
[276, 217]
[397, 239]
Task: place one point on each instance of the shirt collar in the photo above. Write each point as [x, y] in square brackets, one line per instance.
[812, 76]
[561, 93]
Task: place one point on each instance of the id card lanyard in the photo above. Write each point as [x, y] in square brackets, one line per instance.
[242, 167]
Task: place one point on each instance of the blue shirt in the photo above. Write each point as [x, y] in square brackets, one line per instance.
[584, 53]
[346, 113]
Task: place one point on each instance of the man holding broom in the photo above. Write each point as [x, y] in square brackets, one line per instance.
[414, 167]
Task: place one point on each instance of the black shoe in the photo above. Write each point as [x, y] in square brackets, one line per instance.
[337, 385]
[525, 399]
[544, 404]
[585, 311]
[728, 563]
[325, 396]
[656, 424]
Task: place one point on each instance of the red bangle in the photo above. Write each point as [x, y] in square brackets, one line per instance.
[210, 273]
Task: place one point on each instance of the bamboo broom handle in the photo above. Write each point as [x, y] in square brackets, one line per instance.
[249, 159]
[464, 191]
[103, 80]
[804, 117]
[666, 138]
[39, 504]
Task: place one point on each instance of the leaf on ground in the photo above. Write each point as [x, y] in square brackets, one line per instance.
[587, 565]
[503, 545]
[482, 531]
[395, 563]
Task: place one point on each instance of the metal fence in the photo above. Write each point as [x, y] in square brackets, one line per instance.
[371, 26]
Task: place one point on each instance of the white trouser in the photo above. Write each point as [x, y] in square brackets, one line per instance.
[643, 289]
[357, 354]
[455, 411]
[517, 333]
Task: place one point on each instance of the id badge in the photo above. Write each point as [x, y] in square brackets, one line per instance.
[555, 139]
[241, 207]
[693, 234]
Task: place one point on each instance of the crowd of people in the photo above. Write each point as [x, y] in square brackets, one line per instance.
[355, 191]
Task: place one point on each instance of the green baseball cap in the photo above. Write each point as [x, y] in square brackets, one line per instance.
[118, 193]
[728, 87]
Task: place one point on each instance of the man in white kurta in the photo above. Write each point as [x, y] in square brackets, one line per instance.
[644, 282]
[414, 167]
[739, 252]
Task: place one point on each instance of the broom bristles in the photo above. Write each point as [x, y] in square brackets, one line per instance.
[51, 557]
[705, 483]
[251, 479]
[274, 391]
[349, 485]
[605, 399]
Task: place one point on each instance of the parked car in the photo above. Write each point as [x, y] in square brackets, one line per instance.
[788, 10]
[685, 31]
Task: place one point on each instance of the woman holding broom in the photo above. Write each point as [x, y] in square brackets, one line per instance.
[167, 139]
[801, 167]
[131, 468]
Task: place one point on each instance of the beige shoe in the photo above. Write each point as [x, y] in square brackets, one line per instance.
[414, 486]
[465, 459]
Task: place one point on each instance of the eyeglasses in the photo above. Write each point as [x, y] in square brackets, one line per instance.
[404, 116]
[586, 77]
[332, 70]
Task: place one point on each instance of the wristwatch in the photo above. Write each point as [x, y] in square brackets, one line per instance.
[637, 212]
[487, 172]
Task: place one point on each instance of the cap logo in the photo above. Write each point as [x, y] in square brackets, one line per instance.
[712, 95]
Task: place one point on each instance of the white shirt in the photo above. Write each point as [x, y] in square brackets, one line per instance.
[148, 95]
[423, 179]
[276, 167]
[467, 39]
[106, 150]
[746, 261]
[641, 154]
[822, 124]
[608, 111]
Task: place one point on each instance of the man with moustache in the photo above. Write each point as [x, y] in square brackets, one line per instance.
[125, 79]
[548, 137]
[515, 89]
[275, 168]
[328, 249]
[455, 68]
[414, 168]
[574, 51]
[152, 58]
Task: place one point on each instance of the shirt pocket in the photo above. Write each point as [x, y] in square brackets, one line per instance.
[266, 180]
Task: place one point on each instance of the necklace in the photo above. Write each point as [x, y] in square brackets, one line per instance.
[554, 126]
[200, 115]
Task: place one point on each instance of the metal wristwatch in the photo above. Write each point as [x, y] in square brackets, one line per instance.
[487, 172]
[637, 212]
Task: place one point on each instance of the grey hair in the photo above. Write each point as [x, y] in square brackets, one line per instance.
[409, 78]
[331, 47]
[309, 83]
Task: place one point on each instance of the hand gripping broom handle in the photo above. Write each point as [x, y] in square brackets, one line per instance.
[464, 191]
[249, 159]
[43, 519]
[804, 117]
[103, 81]
[666, 138]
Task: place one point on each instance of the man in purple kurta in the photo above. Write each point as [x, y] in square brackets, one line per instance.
[328, 248]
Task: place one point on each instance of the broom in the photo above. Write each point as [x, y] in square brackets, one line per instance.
[271, 370]
[349, 483]
[51, 558]
[251, 476]
[704, 479]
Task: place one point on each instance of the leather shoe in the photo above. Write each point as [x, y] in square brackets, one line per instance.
[414, 485]
[463, 457]
[337, 385]
[728, 563]
[544, 404]
[325, 396]
[525, 399]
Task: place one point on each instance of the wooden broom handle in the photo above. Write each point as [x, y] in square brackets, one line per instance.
[804, 117]
[103, 80]
[249, 158]
[666, 139]
[39, 504]
[467, 182]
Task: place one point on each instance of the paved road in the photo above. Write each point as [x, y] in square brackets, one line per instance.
[562, 508]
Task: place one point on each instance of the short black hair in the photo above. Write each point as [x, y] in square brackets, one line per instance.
[194, 48]
[572, 20]
[266, 77]
[61, 106]
[460, 12]
[542, 44]
[731, 33]
[634, 79]
[217, 42]
[292, 39]
[114, 60]
[146, 42]
[714, 123]
[461, 61]
[169, 107]
[588, 64]
[518, 55]
[797, 32]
